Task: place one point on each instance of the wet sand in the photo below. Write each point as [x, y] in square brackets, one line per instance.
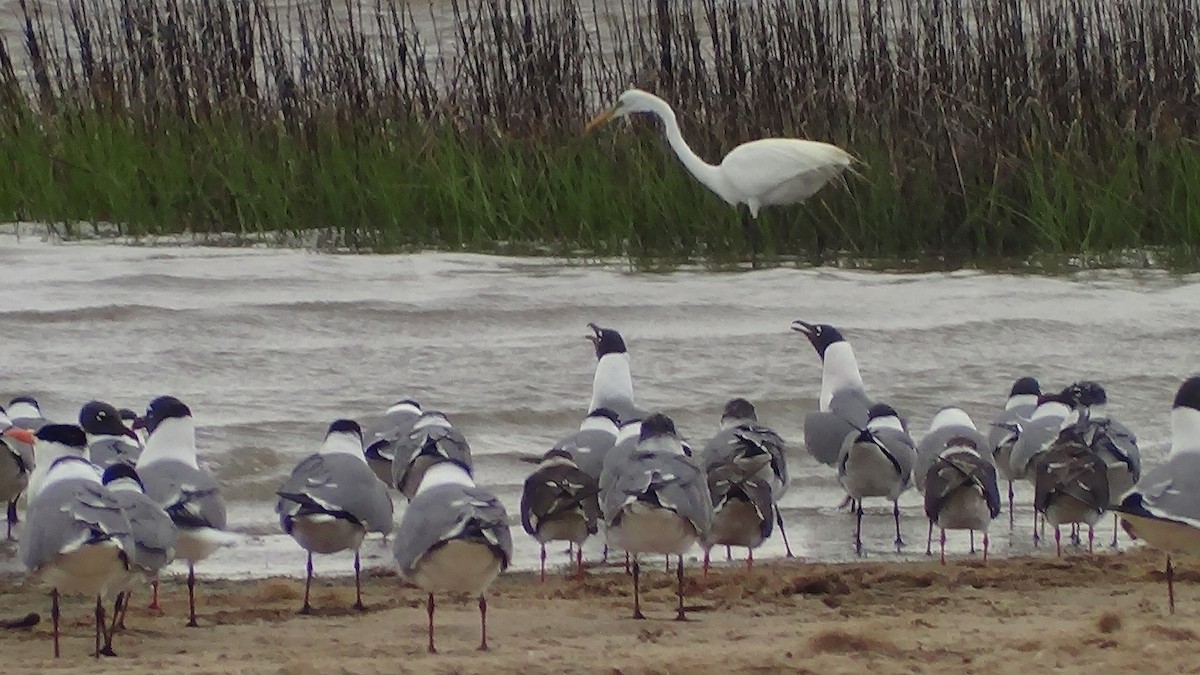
[1106, 613]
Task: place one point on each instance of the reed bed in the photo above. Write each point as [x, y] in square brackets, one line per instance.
[987, 130]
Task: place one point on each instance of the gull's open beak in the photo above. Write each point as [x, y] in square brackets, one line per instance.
[594, 338]
[23, 435]
[600, 119]
[804, 327]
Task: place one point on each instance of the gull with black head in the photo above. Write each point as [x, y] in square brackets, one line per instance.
[1007, 428]
[655, 499]
[559, 502]
[78, 539]
[173, 478]
[612, 383]
[453, 538]
[153, 533]
[332, 499]
[109, 440]
[959, 484]
[1163, 509]
[877, 462]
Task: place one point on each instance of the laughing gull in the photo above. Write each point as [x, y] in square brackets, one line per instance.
[109, 440]
[51, 442]
[948, 423]
[1164, 507]
[612, 384]
[431, 438]
[16, 463]
[655, 500]
[153, 532]
[877, 462]
[961, 491]
[1071, 482]
[453, 538]
[1111, 440]
[189, 494]
[380, 439]
[1006, 429]
[596, 437]
[25, 413]
[78, 539]
[747, 475]
[843, 406]
[1034, 438]
[332, 499]
[559, 503]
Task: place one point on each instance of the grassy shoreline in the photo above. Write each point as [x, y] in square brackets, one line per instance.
[987, 133]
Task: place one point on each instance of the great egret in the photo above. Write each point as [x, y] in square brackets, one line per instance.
[766, 172]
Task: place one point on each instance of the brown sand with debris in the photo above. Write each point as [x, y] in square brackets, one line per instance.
[1080, 614]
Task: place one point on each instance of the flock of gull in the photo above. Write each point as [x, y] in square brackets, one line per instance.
[112, 500]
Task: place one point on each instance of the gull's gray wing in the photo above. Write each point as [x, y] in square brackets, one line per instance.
[900, 447]
[824, 432]
[1171, 490]
[68, 514]
[339, 485]
[671, 481]
[430, 442]
[447, 512]
[933, 443]
[954, 470]
[1070, 467]
[559, 489]
[153, 532]
[588, 448]
[104, 451]
[744, 480]
[1110, 437]
[381, 439]
[191, 497]
[1016, 415]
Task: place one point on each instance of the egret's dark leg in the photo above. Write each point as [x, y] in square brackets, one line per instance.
[55, 614]
[1057, 542]
[429, 610]
[1116, 526]
[751, 230]
[679, 616]
[358, 603]
[896, 515]
[192, 596]
[929, 539]
[783, 532]
[307, 608]
[972, 542]
[12, 517]
[483, 646]
[1011, 517]
[543, 563]
[728, 553]
[858, 530]
[668, 565]
[1170, 595]
[637, 598]
[1036, 538]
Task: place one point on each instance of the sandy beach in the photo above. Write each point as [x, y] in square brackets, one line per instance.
[1077, 614]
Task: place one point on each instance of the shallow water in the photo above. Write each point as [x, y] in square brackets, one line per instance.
[269, 346]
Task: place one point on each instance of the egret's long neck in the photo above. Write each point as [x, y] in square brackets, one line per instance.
[173, 438]
[1185, 430]
[839, 371]
[445, 473]
[704, 172]
[343, 444]
[612, 382]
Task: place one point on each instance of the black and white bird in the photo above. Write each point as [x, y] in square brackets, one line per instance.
[560, 502]
[453, 538]
[877, 462]
[960, 488]
[1114, 442]
[78, 539]
[173, 478]
[1034, 437]
[153, 532]
[1070, 485]
[949, 423]
[380, 439]
[655, 499]
[1163, 509]
[332, 500]
[431, 439]
[16, 463]
[109, 440]
[843, 405]
[1006, 429]
[612, 383]
[26, 413]
[746, 466]
[587, 447]
[52, 442]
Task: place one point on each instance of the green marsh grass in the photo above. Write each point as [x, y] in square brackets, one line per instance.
[987, 130]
